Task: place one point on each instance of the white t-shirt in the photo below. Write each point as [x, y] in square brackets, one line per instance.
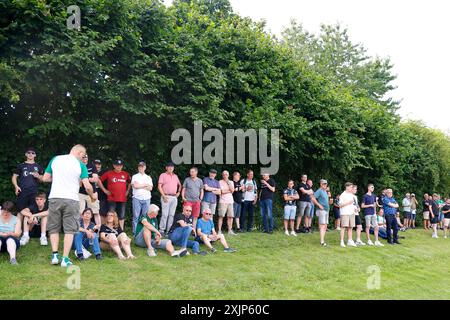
[345, 198]
[251, 194]
[356, 205]
[67, 172]
[406, 205]
[141, 194]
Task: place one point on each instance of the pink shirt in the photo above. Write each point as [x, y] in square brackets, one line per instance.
[227, 197]
[169, 183]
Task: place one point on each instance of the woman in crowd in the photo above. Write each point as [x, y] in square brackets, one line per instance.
[113, 237]
[10, 231]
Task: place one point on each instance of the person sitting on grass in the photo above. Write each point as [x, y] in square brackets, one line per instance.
[399, 222]
[113, 237]
[35, 220]
[87, 236]
[182, 229]
[381, 226]
[207, 234]
[148, 236]
[10, 231]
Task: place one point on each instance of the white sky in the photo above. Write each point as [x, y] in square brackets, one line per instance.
[415, 34]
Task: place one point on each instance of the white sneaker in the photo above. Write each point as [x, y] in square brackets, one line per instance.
[231, 233]
[24, 240]
[351, 243]
[360, 243]
[55, 259]
[151, 253]
[378, 244]
[176, 253]
[286, 232]
[369, 243]
[343, 244]
[338, 228]
[43, 241]
[293, 233]
[445, 237]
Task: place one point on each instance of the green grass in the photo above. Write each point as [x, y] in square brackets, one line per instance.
[265, 267]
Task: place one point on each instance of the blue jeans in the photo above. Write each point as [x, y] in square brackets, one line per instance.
[140, 207]
[266, 214]
[180, 237]
[80, 240]
[391, 223]
[247, 208]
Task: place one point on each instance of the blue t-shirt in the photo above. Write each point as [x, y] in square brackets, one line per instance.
[322, 197]
[367, 200]
[209, 196]
[388, 210]
[205, 226]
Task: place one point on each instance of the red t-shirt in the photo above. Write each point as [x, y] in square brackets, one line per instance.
[117, 185]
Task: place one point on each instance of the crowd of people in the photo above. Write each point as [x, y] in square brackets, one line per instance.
[89, 205]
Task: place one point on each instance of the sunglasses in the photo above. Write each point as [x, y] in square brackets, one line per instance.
[188, 210]
[31, 152]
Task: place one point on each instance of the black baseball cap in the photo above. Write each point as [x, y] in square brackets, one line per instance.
[118, 162]
[170, 164]
[142, 163]
[30, 149]
[98, 161]
[212, 170]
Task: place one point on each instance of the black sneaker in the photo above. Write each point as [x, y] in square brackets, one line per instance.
[397, 242]
[213, 250]
[183, 253]
[80, 257]
[390, 242]
[98, 257]
[201, 253]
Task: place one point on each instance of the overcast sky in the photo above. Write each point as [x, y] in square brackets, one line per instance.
[415, 34]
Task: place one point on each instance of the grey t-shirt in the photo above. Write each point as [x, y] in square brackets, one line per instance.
[193, 189]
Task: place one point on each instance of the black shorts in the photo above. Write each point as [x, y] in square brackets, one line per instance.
[434, 220]
[3, 248]
[358, 221]
[103, 207]
[337, 214]
[25, 199]
[36, 231]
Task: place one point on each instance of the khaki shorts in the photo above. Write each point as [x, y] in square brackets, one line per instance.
[348, 221]
[426, 215]
[226, 209]
[323, 216]
[371, 221]
[446, 222]
[63, 213]
[85, 201]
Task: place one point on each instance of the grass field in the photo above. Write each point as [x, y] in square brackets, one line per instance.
[265, 267]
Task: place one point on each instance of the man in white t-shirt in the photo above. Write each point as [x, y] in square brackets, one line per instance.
[249, 199]
[65, 172]
[347, 211]
[142, 186]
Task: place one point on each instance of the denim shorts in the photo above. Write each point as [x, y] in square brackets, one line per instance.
[289, 212]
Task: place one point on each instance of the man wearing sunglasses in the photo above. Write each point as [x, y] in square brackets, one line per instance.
[26, 180]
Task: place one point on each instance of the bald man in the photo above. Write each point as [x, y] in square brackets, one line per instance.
[66, 173]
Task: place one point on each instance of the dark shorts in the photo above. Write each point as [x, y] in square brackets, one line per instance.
[4, 247]
[119, 208]
[25, 199]
[337, 214]
[408, 215]
[36, 231]
[358, 220]
[199, 240]
[435, 219]
[103, 207]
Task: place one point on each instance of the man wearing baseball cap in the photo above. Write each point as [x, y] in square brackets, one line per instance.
[25, 180]
[142, 186]
[102, 198]
[169, 186]
[118, 189]
[212, 190]
[321, 200]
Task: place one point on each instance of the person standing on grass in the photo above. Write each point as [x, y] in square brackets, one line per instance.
[369, 204]
[119, 185]
[426, 211]
[65, 172]
[347, 211]
[250, 196]
[102, 197]
[266, 202]
[35, 220]
[337, 213]
[226, 203]
[87, 236]
[446, 212]
[113, 237]
[358, 222]
[290, 196]
[309, 219]
[390, 207]
[206, 233]
[212, 190]
[440, 203]
[85, 200]
[237, 198]
[304, 203]
[192, 194]
[169, 186]
[10, 231]
[26, 180]
[182, 229]
[322, 201]
[414, 203]
[434, 214]
[142, 186]
[148, 236]
[406, 203]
